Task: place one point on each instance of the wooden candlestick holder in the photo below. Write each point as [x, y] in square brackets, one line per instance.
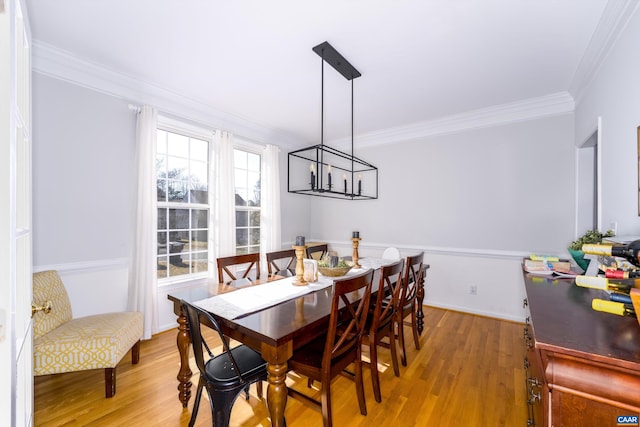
[300, 252]
[355, 241]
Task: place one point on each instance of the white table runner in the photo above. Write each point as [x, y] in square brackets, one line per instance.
[232, 305]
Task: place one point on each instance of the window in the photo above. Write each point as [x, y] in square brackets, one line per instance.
[247, 187]
[183, 210]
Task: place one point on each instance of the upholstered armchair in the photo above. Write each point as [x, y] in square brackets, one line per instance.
[64, 344]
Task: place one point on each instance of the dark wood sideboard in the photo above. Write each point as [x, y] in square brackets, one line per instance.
[582, 366]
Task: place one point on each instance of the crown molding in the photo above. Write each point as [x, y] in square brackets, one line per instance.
[529, 109]
[60, 64]
[615, 17]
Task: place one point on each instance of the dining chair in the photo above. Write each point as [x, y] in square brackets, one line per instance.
[248, 261]
[380, 321]
[317, 251]
[327, 356]
[224, 375]
[282, 263]
[408, 302]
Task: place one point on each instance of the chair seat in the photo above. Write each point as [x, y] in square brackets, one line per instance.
[220, 371]
[91, 342]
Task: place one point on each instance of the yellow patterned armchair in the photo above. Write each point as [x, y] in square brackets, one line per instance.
[63, 344]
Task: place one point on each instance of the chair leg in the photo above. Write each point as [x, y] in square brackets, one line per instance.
[109, 382]
[394, 351]
[375, 378]
[414, 327]
[400, 326]
[359, 384]
[326, 403]
[196, 404]
[259, 389]
[135, 353]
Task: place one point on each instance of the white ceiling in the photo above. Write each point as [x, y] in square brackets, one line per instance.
[421, 60]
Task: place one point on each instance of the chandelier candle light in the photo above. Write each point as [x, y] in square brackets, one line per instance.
[322, 161]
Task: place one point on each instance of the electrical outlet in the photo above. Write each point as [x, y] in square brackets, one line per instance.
[473, 290]
[613, 225]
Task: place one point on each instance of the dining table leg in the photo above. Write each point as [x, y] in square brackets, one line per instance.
[277, 357]
[184, 374]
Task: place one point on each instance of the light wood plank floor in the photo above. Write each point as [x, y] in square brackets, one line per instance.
[468, 372]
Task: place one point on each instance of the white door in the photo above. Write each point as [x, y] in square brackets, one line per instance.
[16, 353]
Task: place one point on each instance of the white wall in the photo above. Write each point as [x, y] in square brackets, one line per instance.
[614, 95]
[475, 202]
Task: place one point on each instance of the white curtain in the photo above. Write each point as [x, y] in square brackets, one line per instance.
[222, 200]
[270, 233]
[142, 271]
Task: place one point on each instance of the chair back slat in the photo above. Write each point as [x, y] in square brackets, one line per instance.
[252, 262]
[317, 251]
[280, 261]
[386, 301]
[347, 319]
[412, 278]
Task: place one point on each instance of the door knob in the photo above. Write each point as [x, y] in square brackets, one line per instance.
[46, 307]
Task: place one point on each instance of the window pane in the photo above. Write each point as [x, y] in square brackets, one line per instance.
[254, 218]
[253, 249]
[240, 159]
[177, 167]
[162, 219]
[178, 219]
[199, 218]
[177, 191]
[198, 175]
[241, 237]
[161, 139]
[178, 145]
[253, 162]
[241, 197]
[199, 196]
[162, 267]
[161, 166]
[199, 241]
[240, 178]
[242, 218]
[199, 150]
[255, 236]
[162, 242]
[161, 185]
[199, 262]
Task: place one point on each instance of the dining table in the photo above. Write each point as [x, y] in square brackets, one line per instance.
[273, 316]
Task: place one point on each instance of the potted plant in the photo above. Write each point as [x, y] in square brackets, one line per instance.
[590, 236]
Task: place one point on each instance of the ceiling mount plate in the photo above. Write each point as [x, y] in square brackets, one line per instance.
[337, 61]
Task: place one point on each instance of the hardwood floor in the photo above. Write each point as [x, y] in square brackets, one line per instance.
[468, 372]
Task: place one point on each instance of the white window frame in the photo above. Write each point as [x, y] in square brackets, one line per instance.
[182, 128]
[248, 147]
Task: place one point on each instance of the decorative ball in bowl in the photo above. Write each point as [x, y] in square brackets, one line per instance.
[340, 270]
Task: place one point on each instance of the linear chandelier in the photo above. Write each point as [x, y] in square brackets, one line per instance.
[323, 171]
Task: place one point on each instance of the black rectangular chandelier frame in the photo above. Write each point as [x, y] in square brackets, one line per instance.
[323, 158]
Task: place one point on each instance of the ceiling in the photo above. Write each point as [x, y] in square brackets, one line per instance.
[421, 60]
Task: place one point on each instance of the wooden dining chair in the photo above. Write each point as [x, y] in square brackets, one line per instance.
[248, 261]
[327, 356]
[224, 375]
[408, 302]
[317, 251]
[381, 321]
[282, 263]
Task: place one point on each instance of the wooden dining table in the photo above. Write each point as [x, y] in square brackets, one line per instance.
[275, 331]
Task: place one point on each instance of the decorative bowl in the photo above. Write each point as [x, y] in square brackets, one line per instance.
[334, 272]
